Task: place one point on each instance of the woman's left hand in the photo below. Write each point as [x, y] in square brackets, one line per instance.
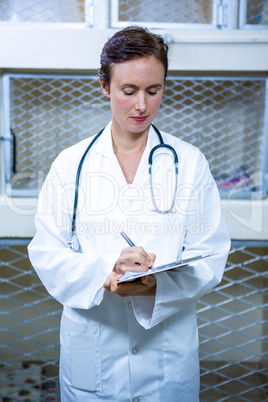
[145, 286]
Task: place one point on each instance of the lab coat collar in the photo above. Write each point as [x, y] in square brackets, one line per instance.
[104, 145]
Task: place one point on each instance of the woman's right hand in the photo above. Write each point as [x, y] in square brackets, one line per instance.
[134, 259]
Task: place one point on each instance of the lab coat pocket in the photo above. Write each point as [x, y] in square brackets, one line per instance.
[80, 354]
[180, 354]
[85, 363]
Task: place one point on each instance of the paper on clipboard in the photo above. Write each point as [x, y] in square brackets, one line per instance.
[132, 276]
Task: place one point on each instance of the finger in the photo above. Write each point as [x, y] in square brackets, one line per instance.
[129, 289]
[152, 258]
[138, 288]
[136, 256]
[133, 259]
[106, 284]
[110, 283]
[149, 280]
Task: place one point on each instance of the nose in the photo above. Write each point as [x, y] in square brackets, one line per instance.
[141, 102]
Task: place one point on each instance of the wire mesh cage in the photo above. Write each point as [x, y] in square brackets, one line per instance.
[152, 13]
[158, 11]
[42, 11]
[232, 322]
[165, 14]
[29, 337]
[224, 117]
[233, 330]
[48, 114]
[254, 14]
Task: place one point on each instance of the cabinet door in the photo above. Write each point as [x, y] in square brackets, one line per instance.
[225, 117]
[195, 14]
[71, 11]
[44, 114]
[253, 14]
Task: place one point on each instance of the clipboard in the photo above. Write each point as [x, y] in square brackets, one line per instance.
[132, 276]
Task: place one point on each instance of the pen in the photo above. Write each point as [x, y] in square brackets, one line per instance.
[130, 242]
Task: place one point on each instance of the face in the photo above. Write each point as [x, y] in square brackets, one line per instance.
[135, 92]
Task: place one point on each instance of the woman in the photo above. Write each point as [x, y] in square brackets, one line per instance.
[131, 341]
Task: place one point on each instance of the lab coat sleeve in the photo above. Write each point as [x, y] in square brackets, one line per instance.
[177, 290]
[74, 279]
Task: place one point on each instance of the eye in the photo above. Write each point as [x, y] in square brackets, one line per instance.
[152, 93]
[128, 93]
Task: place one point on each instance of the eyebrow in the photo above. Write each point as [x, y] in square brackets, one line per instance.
[135, 86]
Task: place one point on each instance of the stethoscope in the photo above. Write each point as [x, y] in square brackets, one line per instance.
[73, 241]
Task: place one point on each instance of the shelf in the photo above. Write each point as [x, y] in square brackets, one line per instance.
[245, 219]
[49, 46]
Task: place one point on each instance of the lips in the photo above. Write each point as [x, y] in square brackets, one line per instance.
[139, 119]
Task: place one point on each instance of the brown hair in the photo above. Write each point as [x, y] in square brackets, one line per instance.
[131, 43]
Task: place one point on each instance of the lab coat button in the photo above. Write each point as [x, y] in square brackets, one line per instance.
[130, 304]
[137, 399]
[135, 351]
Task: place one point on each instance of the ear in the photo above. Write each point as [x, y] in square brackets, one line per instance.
[105, 88]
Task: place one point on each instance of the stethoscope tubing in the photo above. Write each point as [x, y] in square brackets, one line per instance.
[73, 241]
[78, 178]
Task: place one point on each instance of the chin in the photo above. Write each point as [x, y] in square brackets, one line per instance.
[139, 127]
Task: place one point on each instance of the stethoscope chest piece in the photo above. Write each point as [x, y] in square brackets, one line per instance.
[73, 243]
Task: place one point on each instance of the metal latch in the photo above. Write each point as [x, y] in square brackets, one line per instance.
[12, 138]
[221, 14]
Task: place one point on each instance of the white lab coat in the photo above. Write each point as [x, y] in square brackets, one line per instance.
[137, 348]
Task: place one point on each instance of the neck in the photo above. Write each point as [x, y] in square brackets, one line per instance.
[127, 147]
[127, 143]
